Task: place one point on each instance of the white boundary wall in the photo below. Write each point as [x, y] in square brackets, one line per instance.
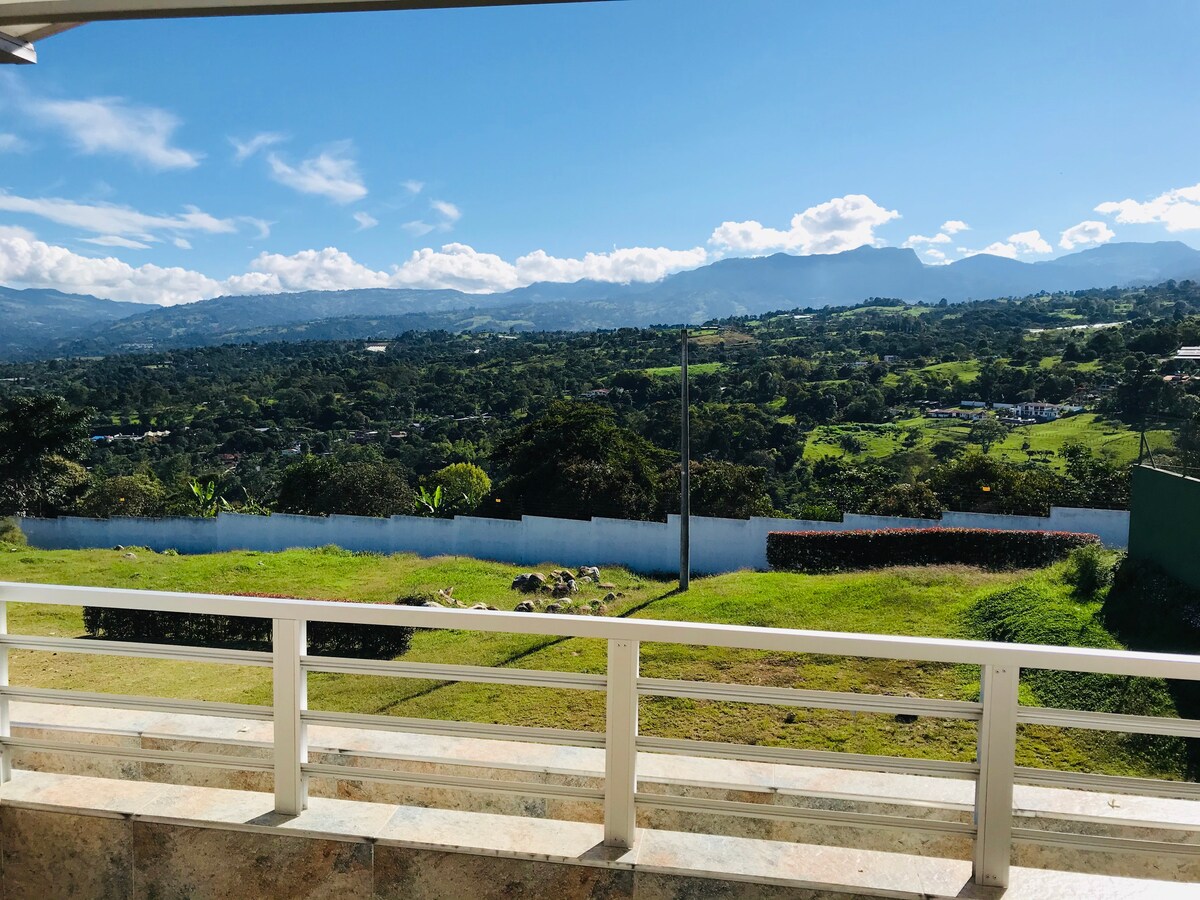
[718, 545]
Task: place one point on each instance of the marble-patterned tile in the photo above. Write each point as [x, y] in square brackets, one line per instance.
[53, 854]
[173, 862]
[543, 838]
[803, 865]
[213, 805]
[652, 886]
[74, 792]
[409, 874]
[344, 818]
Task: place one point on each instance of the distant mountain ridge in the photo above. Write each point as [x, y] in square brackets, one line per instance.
[38, 317]
[52, 323]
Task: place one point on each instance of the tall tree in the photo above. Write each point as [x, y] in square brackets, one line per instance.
[41, 436]
[577, 461]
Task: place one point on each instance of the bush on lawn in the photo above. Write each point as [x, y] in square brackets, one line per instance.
[202, 630]
[831, 551]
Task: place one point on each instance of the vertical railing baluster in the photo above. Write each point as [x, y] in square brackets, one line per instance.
[997, 769]
[5, 721]
[620, 744]
[288, 644]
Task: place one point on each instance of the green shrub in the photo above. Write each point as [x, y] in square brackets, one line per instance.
[831, 551]
[202, 630]
[1090, 569]
[11, 533]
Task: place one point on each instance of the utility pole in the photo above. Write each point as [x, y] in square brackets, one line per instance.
[685, 469]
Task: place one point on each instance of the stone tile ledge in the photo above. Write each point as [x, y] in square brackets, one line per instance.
[654, 769]
[829, 870]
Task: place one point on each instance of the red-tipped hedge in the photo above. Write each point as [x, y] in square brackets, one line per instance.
[831, 551]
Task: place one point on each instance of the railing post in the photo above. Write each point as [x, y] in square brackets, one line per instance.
[5, 722]
[997, 765]
[620, 744]
[289, 642]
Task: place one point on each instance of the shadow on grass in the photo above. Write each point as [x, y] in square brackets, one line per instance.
[1147, 609]
[526, 652]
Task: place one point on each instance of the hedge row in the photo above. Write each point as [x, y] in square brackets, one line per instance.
[831, 551]
[203, 630]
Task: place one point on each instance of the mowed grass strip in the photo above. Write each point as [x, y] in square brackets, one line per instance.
[926, 601]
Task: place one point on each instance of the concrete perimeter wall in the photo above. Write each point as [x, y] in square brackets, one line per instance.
[1164, 525]
[718, 545]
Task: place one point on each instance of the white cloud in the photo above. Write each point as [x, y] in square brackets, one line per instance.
[315, 270]
[365, 220]
[448, 211]
[417, 228]
[459, 267]
[263, 226]
[111, 125]
[113, 240]
[110, 219]
[243, 150]
[936, 256]
[1085, 233]
[916, 240]
[954, 226]
[1177, 209]
[33, 263]
[332, 174]
[16, 231]
[182, 243]
[1020, 244]
[413, 186]
[10, 143]
[839, 224]
[619, 266]
[447, 214]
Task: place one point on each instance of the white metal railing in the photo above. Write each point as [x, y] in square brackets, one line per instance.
[998, 713]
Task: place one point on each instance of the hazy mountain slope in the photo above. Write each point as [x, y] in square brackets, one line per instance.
[724, 288]
[32, 318]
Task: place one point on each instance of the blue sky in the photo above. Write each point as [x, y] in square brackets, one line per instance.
[484, 149]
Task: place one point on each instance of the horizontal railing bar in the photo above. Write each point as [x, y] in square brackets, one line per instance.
[559, 736]
[1103, 843]
[944, 650]
[1107, 784]
[141, 754]
[438, 672]
[1096, 721]
[421, 779]
[148, 704]
[146, 651]
[775, 811]
[775, 696]
[827, 759]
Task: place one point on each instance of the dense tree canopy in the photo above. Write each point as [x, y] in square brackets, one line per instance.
[809, 413]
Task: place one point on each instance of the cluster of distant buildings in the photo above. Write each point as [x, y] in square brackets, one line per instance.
[115, 436]
[1029, 413]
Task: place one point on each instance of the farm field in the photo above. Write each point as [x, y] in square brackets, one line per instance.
[930, 601]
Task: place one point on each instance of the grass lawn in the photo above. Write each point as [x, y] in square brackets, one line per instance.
[930, 601]
[967, 370]
[693, 369]
[1116, 443]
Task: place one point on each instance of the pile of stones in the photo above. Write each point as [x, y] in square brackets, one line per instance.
[561, 585]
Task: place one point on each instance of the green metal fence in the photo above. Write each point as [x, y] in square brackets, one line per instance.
[1164, 523]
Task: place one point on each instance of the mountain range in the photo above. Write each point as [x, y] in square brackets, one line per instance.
[50, 323]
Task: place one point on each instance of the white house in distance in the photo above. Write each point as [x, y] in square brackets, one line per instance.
[1045, 412]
